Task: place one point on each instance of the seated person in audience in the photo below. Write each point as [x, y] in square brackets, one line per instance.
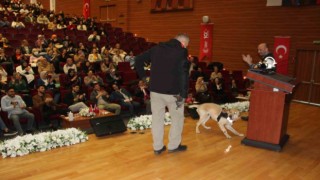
[5, 22]
[23, 11]
[106, 66]
[79, 58]
[54, 40]
[19, 84]
[41, 43]
[17, 24]
[4, 75]
[3, 41]
[30, 19]
[6, 131]
[44, 65]
[117, 58]
[71, 26]
[26, 71]
[142, 92]
[16, 109]
[44, 102]
[215, 74]
[190, 99]
[91, 26]
[50, 84]
[102, 32]
[196, 73]
[69, 65]
[66, 41]
[75, 99]
[71, 50]
[94, 37]
[131, 59]
[113, 77]
[72, 78]
[83, 48]
[91, 79]
[193, 63]
[6, 62]
[34, 59]
[53, 25]
[202, 93]
[63, 56]
[122, 96]
[18, 57]
[3, 86]
[81, 26]
[42, 19]
[86, 67]
[218, 90]
[25, 48]
[117, 47]
[94, 45]
[105, 54]
[101, 97]
[94, 56]
[61, 25]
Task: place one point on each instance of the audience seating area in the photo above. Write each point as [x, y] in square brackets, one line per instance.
[113, 35]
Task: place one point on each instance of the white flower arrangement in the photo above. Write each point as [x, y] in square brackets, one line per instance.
[144, 122]
[86, 112]
[240, 106]
[23, 145]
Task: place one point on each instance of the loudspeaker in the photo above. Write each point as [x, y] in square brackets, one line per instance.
[107, 125]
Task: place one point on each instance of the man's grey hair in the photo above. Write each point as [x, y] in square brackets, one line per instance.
[182, 37]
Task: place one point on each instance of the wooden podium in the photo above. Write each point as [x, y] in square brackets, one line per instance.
[269, 108]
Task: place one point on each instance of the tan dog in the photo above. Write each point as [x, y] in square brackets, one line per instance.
[215, 112]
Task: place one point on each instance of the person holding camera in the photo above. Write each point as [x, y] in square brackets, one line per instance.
[202, 93]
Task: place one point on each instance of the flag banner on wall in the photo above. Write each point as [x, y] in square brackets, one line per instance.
[318, 2]
[281, 53]
[86, 8]
[206, 41]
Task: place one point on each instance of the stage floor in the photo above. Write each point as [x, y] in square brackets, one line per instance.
[209, 156]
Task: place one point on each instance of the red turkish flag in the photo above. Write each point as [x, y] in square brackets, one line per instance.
[318, 2]
[86, 8]
[206, 41]
[281, 53]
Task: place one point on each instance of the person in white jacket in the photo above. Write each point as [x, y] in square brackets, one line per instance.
[17, 24]
[25, 70]
[94, 37]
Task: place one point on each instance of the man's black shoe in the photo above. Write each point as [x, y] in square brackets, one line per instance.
[29, 131]
[179, 148]
[157, 152]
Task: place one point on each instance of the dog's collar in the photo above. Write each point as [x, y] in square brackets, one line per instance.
[222, 114]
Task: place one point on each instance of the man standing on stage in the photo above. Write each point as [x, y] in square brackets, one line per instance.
[168, 87]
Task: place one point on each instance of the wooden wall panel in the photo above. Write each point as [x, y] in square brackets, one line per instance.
[238, 25]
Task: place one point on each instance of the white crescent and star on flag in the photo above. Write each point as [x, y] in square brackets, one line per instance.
[280, 52]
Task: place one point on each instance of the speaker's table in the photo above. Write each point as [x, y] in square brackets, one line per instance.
[83, 122]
